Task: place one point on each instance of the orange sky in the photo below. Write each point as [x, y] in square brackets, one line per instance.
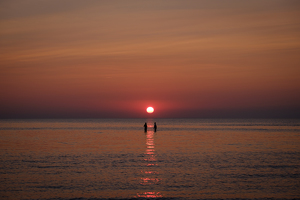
[114, 58]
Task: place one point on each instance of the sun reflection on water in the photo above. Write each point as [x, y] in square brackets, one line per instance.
[149, 195]
[150, 175]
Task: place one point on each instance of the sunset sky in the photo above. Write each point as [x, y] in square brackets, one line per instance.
[80, 59]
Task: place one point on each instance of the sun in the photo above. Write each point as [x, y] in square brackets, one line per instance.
[150, 110]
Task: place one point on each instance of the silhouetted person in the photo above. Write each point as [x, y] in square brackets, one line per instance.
[155, 127]
[145, 127]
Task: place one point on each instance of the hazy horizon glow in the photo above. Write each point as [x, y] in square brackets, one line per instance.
[114, 58]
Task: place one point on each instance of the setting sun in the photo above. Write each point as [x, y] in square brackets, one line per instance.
[150, 110]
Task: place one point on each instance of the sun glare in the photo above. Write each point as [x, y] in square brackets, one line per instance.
[150, 110]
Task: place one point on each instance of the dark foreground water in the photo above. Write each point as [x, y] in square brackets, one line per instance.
[116, 159]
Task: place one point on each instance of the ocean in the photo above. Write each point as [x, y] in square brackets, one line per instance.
[117, 159]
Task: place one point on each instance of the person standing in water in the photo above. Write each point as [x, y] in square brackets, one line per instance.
[155, 127]
[145, 127]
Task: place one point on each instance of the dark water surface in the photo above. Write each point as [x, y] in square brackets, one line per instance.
[184, 159]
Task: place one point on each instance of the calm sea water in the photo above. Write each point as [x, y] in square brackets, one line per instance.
[116, 159]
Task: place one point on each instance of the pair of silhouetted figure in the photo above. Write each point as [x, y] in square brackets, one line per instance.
[145, 127]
